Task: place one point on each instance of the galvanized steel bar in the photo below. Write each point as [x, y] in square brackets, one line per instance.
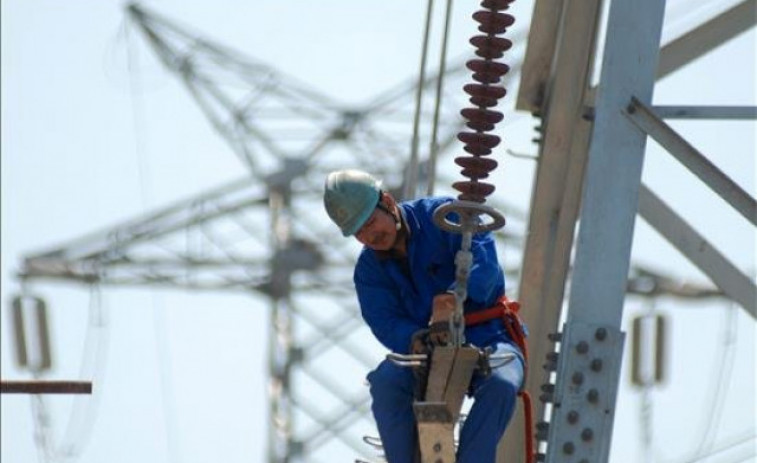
[705, 112]
[562, 90]
[698, 250]
[603, 251]
[696, 162]
[707, 37]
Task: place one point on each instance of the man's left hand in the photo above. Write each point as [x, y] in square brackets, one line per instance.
[442, 310]
[443, 307]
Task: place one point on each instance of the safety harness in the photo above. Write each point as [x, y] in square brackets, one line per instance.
[507, 311]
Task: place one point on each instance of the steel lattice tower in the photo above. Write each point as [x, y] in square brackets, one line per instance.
[267, 233]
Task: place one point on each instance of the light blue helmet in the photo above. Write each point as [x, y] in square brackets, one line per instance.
[350, 197]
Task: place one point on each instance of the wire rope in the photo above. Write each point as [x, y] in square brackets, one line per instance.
[158, 308]
[84, 408]
[434, 148]
[723, 377]
[412, 171]
[737, 442]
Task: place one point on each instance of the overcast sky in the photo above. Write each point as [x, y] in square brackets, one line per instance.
[95, 132]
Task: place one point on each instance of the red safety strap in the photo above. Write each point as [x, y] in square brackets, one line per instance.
[507, 310]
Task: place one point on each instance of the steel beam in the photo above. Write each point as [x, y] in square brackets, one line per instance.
[557, 191]
[707, 37]
[537, 64]
[705, 112]
[698, 250]
[643, 117]
[603, 250]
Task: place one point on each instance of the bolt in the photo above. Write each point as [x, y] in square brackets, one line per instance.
[596, 365]
[542, 428]
[541, 457]
[588, 113]
[587, 434]
[568, 448]
[593, 396]
[555, 337]
[582, 347]
[578, 378]
[437, 447]
[573, 417]
[601, 334]
[548, 388]
[552, 356]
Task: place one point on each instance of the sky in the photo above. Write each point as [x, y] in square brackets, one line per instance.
[95, 131]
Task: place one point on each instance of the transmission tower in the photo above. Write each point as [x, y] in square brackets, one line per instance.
[267, 233]
[591, 153]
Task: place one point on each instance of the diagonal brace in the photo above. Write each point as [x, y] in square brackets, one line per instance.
[696, 162]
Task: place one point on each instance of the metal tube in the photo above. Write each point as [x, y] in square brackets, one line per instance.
[46, 387]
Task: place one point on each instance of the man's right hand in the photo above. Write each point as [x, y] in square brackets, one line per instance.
[441, 312]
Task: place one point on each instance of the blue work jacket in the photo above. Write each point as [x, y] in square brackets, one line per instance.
[396, 298]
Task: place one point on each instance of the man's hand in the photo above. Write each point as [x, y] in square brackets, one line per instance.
[419, 344]
[443, 307]
[441, 312]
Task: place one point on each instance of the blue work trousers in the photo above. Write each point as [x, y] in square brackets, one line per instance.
[494, 402]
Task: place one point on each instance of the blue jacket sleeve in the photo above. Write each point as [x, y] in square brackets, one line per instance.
[381, 307]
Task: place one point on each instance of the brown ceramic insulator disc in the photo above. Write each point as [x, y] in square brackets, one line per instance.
[490, 47]
[496, 5]
[482, 115]
[493, 23]
[484, 95]
[473, 191]
[477, 149]
[493, 68]
[481, 120]
[483, 102]
[476, 167]
[484, 139]
[480, 126]
[485, 78]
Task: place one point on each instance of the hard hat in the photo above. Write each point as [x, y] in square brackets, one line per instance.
[350, 197]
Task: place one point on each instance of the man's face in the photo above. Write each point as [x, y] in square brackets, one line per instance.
[379, 231]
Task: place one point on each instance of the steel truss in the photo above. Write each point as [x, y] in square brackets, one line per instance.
[591, 157]
[266, 234]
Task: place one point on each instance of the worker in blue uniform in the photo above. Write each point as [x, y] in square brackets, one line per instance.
[404, 278]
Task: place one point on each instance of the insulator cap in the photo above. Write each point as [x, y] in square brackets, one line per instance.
[484, 96]
[490, 47]
[473, 191]
[480, 126]
[483, 139]
[477, 150]
[492, 22]
[496, 5]
[482, 115]
[478, 167]
[487, 72]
